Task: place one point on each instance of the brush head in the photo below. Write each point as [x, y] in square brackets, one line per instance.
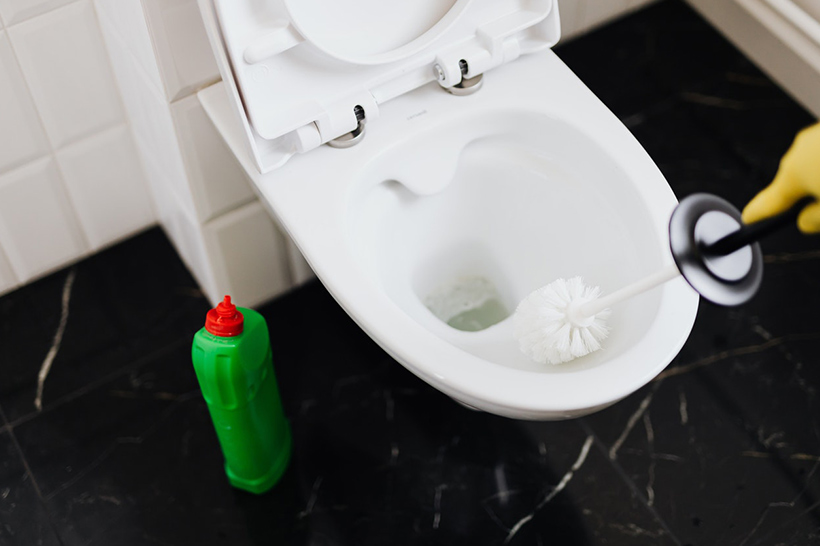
[549, 326]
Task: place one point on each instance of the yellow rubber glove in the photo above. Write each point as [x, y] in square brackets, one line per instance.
[797, 177]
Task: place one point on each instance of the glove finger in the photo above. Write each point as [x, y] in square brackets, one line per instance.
[809, 219]
[777, 197]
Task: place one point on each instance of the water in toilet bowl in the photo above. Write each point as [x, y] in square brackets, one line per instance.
[468, 303]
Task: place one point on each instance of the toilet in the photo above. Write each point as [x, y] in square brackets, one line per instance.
[435, 162]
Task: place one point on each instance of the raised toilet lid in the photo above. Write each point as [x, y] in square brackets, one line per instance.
[300, 67]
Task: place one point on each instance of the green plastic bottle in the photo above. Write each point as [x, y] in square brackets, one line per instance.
[233, 363]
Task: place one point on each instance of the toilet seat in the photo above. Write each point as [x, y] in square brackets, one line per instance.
[299, 70]
[329, 202]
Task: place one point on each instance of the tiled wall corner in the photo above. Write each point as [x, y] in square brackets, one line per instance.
[188, 238]
[249, 255]
[217, 182]
[64, 62]
[125, 20]
[161, 56]
[175, 137]
[104, 178]
[38, 228]
[181, 45]
[150, 118]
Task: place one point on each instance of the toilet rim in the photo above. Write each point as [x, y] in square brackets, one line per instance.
[319, 227]
[464, 376]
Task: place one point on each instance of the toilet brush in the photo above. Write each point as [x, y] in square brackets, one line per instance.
[716, 254]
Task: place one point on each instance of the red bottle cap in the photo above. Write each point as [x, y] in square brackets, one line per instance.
[225, 320]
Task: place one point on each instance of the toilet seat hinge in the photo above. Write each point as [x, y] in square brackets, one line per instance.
[467, 86]
[356, 135]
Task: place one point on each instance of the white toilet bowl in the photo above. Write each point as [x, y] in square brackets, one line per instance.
[527, 180]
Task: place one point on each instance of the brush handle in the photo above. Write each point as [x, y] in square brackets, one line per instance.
[745, 235]
[750, 233]
[638, 287]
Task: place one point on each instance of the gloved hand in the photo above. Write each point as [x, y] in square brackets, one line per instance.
[797, 177]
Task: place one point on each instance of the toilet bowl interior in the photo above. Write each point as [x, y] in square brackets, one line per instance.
[531, 199]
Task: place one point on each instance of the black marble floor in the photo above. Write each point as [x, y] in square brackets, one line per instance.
[722, 448]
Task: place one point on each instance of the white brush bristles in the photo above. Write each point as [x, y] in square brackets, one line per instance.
[548, 329]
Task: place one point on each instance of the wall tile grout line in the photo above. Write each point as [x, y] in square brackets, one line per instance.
[68, 144]
[40, 14]
[109, 62]
[102, 21]
[193, 91]
[28, 90]
[126, 118]
[53, 148]
[30, 474]
[49, 139]
[627, 480]
[72, 141]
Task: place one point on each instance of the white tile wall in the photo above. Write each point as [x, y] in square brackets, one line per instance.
[104, 178]
[180, 141]
[157, 181]
[38, 228]
[126, 20]
[248, 254]
[181, 44]
[150, 118]
[595, 12]
[201, 193]
[15, 11]
[188, 238]
[570, 14]
[70, 178]
[182, 229]
[217, 182]
[63, 58]
[21, 133]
